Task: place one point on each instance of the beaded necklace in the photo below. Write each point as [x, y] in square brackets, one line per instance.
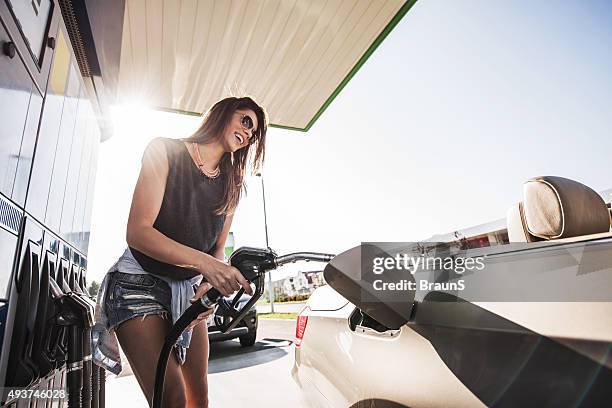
[209, 174]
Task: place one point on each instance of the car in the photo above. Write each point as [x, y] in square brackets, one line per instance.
[245, 331]
[434, 348]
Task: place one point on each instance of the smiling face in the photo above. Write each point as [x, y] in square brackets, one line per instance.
[237, 135]
[229, 125]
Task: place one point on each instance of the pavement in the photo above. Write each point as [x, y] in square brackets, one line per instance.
[258, 376]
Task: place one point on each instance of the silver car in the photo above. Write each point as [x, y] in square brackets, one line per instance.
[439, 350]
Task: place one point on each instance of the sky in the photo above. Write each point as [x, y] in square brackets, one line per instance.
[462, 103]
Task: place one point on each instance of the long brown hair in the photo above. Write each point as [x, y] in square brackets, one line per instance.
[213, 128]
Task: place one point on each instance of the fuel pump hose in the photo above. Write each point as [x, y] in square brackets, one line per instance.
[192, 312]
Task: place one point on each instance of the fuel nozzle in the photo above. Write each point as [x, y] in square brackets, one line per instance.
[253, 263]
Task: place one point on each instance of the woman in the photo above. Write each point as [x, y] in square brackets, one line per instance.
[179, 220]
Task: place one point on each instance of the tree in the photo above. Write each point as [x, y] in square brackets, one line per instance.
[93, 288]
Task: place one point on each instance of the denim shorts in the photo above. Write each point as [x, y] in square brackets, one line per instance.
[130, 295]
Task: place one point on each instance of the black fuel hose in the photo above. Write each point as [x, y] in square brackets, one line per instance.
[102, 393]
[95, 386]
[86, 393]
[74, 375]
[181, 324]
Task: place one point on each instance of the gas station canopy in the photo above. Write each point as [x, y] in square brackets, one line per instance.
[292, 56]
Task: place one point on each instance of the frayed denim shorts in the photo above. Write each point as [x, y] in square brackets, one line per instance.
[134, 295]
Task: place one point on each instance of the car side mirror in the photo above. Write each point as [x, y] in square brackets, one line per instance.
[351, 275]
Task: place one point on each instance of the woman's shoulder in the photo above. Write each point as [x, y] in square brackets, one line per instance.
[165, 145]
[166, 142]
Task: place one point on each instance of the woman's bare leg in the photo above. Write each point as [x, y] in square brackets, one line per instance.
[142, 339]
[195, 369]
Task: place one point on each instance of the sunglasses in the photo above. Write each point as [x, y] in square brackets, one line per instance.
[247, 122]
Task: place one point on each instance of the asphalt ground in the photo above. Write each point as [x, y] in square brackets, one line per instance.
[257, 376]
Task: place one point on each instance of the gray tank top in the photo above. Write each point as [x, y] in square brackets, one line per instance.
[187, 213]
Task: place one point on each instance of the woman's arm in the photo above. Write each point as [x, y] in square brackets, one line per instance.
[141, 235]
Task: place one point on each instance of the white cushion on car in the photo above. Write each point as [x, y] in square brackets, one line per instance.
[515, 224]
[556, 207]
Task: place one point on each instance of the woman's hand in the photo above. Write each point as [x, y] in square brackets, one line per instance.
[225, 278]
[200, 291]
